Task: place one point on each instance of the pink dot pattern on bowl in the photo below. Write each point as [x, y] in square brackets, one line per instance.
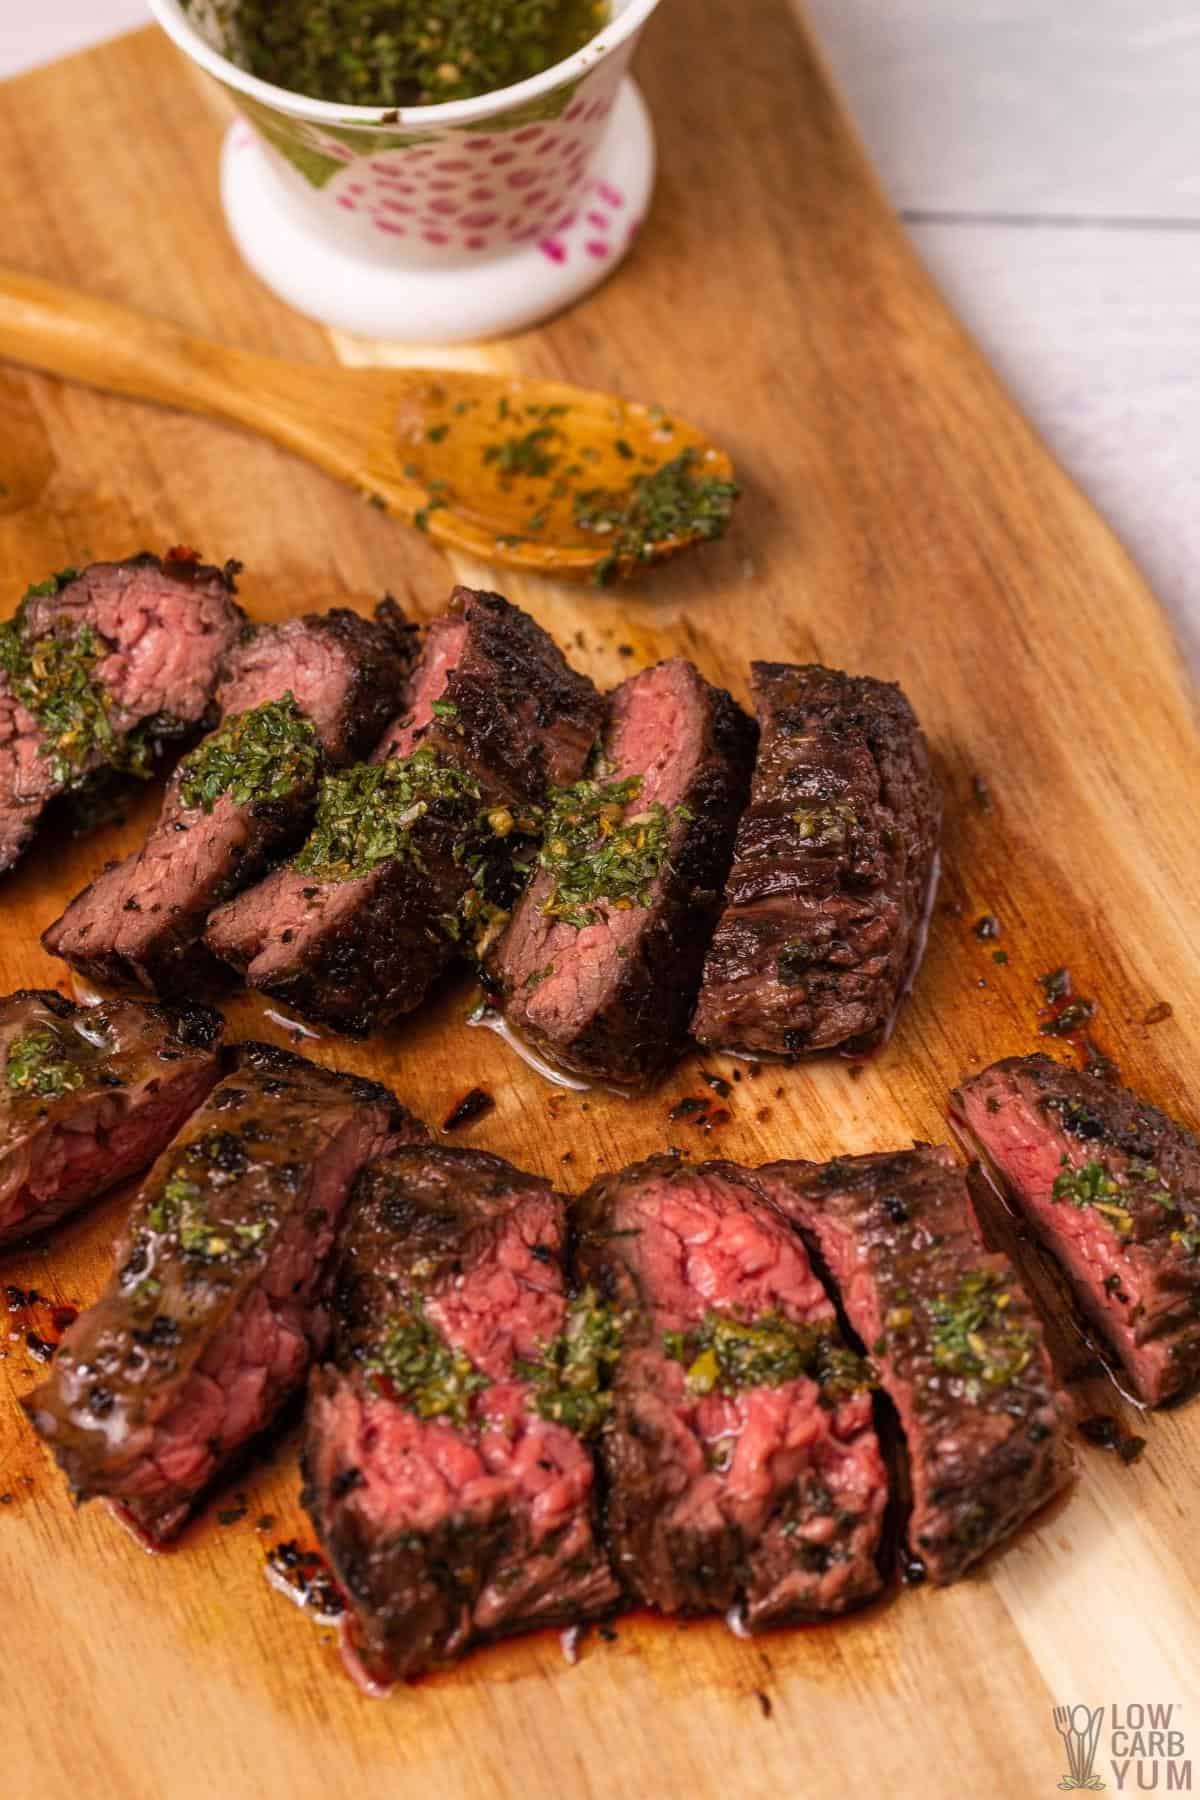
[599, 245]
[476, 193]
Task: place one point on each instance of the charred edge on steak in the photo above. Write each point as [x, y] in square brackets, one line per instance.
[292, 695]
[77, 704]
[958, 1345]
[453, 1499]
[90, 1096]
[833, 871]
[742, 1465]
[493, 702]
[607, 991]
[215, 1308]
[1111, 1187]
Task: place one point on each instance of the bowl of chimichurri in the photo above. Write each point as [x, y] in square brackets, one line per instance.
[427, 169]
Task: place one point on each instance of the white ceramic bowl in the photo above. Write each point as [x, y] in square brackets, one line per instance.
[435, 223]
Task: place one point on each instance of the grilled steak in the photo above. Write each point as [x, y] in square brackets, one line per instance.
[1111, 1186]
[89, 1096]
[833, 870]
[96, 668]
[214, 1310]
[956, 1341]
[444, 1472]
[600, 966]
[292, 695]
[405, 850]
[743, 1468]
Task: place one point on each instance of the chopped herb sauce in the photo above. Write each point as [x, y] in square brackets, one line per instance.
[54, 679]
[182, 1209]
[393, 53]
[39, 1064]
[528, 453]
[824, 827]
[724, 1354]
[571, 1377]
[599, 854]
[1093, 1187]
[973, 1338]
[366, 814]
[669, 502]
[255, 757]
[421, 1368]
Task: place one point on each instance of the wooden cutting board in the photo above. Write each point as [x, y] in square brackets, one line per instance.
[901, 519]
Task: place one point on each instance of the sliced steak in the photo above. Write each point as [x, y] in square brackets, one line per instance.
[600, 966]
[215, 1308]
[1111, 1186]
[90, 1095]
[742, 1462]
[445, 1468]
[957, 1343]
[410, 854]
[293, 696]
[833, 872]
[96, 668]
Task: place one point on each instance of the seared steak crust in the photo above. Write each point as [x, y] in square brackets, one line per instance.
[121, 1080]
[161, 629]
[769, 1498]
[612, 999]
[900, 1238]
[513, 715]
[347, 673]
[142, 920]
[1111, 1186]
[446, 1529]
[523, 719]
[835, 857]
[215, 1307]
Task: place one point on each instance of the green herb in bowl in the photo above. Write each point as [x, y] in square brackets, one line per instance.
[407, 52]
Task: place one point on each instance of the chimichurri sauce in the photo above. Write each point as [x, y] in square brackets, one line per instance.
[407, 52]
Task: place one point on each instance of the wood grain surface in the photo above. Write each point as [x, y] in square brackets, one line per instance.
[900, 519]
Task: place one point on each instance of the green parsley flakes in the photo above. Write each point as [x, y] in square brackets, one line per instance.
[571, 1378]
[38, 1064]
[394, 53]
[421, 1368]
[255, 757]
[597, 853]
[724, 1354]
[972, 1336]
[1091, 1186]
[366, 815]
[673, 501]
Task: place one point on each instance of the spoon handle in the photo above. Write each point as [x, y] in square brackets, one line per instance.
[302, 406]
[63, 332]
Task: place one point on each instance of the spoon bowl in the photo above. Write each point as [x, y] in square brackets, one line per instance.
[534, 474]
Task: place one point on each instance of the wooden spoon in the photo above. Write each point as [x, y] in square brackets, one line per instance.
[499, 466]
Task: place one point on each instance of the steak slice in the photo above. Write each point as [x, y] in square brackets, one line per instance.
[215, 1308]
[600, 966]
[96, 668]
[833, 872]
[743, 1467]
[295, 694]
[957, 1343]
[1111, 1186]
[445, 1469]
[90, 1095]
[354, 932]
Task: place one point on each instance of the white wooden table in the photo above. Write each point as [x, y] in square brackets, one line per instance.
[1046, 156]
